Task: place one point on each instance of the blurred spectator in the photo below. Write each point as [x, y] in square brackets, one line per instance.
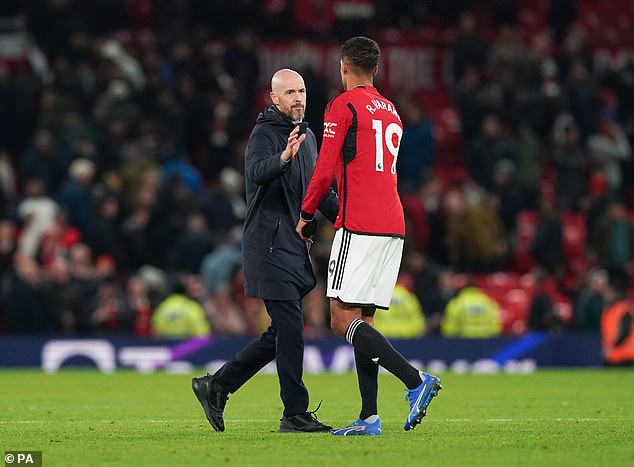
[613, 240]
[155, 281]
[44, 161]
[588, 304]
[570, 163]
[128, 67]
[416, 153]
[107, 312]
[315, 20]
[541, 310]
[224, 314]
[575, 49]
[617, 322]
[136, 237]
[28, 306]
[219, 266]
[486, 150]
[174, 203]
[223, 204]
[180, 315]
[404, 319]
[529, 162]
[105, 234]
[609, 149]
[547, 246]
[433, 287]
[352, 17]
[469, 49]
[317, 97]
[470, 100]
[560, 14]
[596, 203]
[471, 314]
[539, 94]
[81, 262]
[508, 194]
[37, 212]
[581, 93]
[65, 296]
[138, 302]
[628, 166]
[192, 246]
[419, 208]
[177, 170]
[504, 58]
[75, 197]
[8, 247]
[57, 241]
[7, 183]
[475, 234]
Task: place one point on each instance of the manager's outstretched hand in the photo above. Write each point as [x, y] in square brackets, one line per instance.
[292, 147]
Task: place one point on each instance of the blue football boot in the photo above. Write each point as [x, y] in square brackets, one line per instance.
[419, 399]
[360, 427]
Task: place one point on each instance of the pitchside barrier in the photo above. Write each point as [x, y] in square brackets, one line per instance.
[108, 354]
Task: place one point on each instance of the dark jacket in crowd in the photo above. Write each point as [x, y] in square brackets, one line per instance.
[276, 260]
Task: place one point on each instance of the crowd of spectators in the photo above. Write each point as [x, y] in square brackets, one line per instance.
[122, 133]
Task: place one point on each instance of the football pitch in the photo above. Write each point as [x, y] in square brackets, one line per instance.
[550, 418]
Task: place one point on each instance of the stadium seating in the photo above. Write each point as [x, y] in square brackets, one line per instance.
[514, 307]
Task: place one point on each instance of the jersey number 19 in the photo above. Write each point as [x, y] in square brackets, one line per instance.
[388, 140]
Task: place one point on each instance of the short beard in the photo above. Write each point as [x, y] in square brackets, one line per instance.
[296, 118]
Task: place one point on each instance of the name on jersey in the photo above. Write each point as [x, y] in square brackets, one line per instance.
[377, 104]
[329, 129]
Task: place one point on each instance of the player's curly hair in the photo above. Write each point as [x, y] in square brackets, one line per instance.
[361, 53]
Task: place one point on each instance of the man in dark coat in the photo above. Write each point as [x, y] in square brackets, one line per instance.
[279, 162]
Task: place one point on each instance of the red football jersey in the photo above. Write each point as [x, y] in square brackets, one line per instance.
[362, 134]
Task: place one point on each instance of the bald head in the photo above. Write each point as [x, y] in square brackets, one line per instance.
[283, 77]
[288, 94]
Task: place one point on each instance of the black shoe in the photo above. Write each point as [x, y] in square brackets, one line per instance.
[303, 423]
[213, 401]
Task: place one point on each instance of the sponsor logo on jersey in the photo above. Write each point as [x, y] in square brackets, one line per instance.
[329, 129]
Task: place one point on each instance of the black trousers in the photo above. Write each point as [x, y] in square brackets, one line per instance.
[282, 341]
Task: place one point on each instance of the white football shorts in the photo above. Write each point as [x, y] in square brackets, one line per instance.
[363, 269]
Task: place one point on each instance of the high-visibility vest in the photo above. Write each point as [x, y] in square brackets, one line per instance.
[617, 332]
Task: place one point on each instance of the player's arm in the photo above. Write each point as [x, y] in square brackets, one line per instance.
[263, 162]
[336, 123]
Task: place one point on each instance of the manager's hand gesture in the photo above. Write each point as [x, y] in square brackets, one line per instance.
[293, 144]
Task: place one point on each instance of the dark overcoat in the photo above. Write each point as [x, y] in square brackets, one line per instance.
[276, 260]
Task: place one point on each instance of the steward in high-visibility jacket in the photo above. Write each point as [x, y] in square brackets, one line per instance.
[617, 333]
[179, 316]
[404, 319]
[617, 321]
[471, 314]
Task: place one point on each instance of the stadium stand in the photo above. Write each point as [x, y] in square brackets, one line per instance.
[160, 96]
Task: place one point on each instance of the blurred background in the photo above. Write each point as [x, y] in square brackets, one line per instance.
[122, 132]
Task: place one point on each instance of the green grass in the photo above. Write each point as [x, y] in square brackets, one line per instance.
[567, 418]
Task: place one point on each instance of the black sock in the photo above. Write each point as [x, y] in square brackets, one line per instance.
[367, 372]
[371, 343]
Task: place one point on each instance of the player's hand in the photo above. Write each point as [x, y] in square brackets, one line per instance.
[292, 146]
[306, 229]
